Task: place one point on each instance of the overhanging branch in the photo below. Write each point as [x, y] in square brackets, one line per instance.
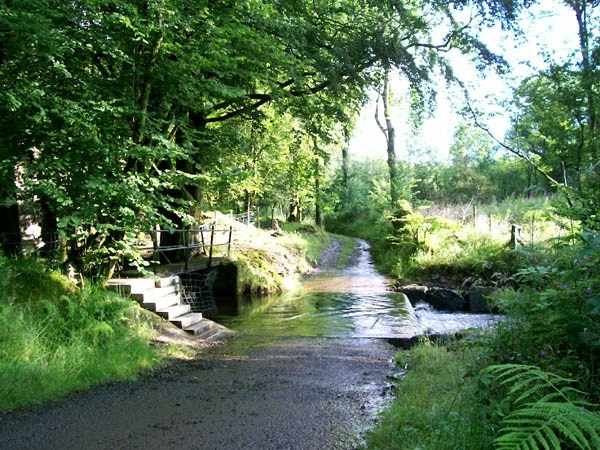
[507, 147]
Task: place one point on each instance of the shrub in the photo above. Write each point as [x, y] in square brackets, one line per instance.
[553, 313]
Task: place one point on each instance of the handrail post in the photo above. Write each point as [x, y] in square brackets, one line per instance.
[229, 241]
[212, 236]
[185, 251]
[155, 253]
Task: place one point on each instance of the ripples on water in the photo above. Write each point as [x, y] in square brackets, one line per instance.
[353, 302]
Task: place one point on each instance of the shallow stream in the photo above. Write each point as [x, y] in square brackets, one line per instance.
[306, 374]
[352, 302]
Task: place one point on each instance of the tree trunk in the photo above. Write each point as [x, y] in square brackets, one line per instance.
[587, 79]
[390, 137]
[346, 165]
[49, 223]
[294, 215]
[10, 233]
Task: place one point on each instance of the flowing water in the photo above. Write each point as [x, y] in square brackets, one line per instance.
[353, 302]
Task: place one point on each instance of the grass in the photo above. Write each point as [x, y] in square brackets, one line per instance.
[56, 338]
[348, 246]
[548, 290]
[461, 241]
[436, 406]
[273, 264]
[309, 239]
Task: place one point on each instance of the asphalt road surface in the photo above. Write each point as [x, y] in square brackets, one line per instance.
[294, 393]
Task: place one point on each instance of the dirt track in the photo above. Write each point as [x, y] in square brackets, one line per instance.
[286, 394]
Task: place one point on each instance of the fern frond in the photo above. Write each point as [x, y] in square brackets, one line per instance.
[547, 425]
[530, 383]
[546, 411]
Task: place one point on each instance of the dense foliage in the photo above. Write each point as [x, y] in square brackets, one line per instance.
[120, 115]
[117, 116]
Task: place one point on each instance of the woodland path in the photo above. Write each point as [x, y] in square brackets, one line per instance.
[293, 393]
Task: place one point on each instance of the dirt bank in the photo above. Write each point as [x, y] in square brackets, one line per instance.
[283, 394]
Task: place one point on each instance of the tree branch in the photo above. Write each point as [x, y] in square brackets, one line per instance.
[507, 147]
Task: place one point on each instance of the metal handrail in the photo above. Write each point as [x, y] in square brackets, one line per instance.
[187, 245]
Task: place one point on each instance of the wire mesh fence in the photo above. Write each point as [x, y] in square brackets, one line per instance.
[43, 244]
[197, 290]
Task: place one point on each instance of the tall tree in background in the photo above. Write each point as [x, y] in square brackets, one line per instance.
[584, 13]
[555, 127]
[390, 136]
[422, 37]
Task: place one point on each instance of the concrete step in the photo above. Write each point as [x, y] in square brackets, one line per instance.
[159, 304]
[174, 311]
[201, 328]
[220, 333]
[150, 295]
[163, 297]
[208, 330]
[162, 282]
[186, 320]
[128, 285]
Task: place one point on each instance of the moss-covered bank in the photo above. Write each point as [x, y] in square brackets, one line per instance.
[268, 263]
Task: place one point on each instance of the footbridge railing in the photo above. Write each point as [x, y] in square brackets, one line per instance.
[195, 248]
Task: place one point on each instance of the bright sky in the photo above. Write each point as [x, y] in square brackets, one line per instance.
[550, 29]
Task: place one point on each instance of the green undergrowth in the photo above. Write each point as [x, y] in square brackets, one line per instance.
[451, 397]
[56, 338]
[274, 264]
[530, 382]
[309, 239]
[436, 404]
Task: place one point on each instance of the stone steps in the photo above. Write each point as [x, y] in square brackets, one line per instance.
[171, 312]
[162, 296]
[185, 321]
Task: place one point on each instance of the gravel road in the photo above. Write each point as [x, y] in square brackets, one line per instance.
[290, 394]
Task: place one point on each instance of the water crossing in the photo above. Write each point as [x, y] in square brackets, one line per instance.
[352, 302]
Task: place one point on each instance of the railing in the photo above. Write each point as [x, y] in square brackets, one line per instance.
[193, 242]
[246, 218]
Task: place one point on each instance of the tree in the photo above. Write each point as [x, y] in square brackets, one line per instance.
[390, 137]
[583, 10]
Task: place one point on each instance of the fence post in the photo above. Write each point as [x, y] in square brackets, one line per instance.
[202, 238]
[186, 251]
[515, 236]
[155, 253]
[229, 241]
[212, 236]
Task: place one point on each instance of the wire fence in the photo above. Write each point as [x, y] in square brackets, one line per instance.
[245, 217]
[207, 242]
[44, 244]
[197, 290]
